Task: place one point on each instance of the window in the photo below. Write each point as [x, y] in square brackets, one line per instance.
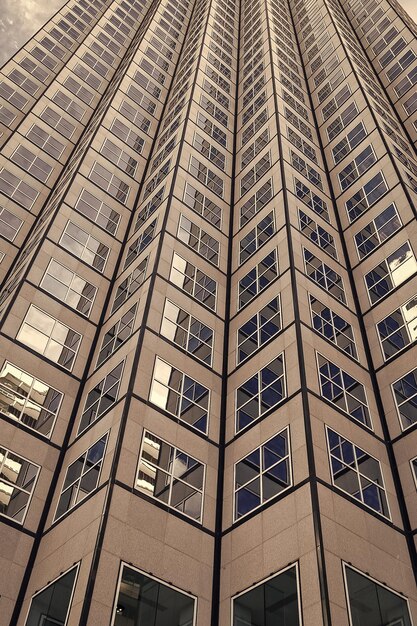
[335, 103]
[130, 284]
[390, 272]
[193, 281]
[349, 143]
[17, 482]
[256, 237]
[127, 135]
[49, 337]
[6, 117]
[84, 246]
[82, 477]
[206, 176]
[202, 205]
[9, 224]
[171, 476]
[367, 195]
[69, 287]
[117, 335]
[187, 332]
[211, 153]
[259, 605]
[332, 327]
[141, 242]
[263, 474]
[197, 239]
[17, 190]
[98, 212]
[101, 398]
[109, 182]
[357, 167]
[179, 394]
[324, 276]
[312, 200]
[405, 396]
[259, 329]
[211, 129]
[306, 170]
[398, 67]
[377, 231]
[30, 86]
[317, 234]
[342, 390]
[399, 329]
[257, 279]
[13, 96]
[256, 202]
[340, 122]
[67, 104]
[51, 605]
[55, 120]
[78, 90]
[255, 173]
[260, 393]
[255, 148]
[28, 400]
[373, 602]
[41, 138]
[29, 162]
[119, 157]
[142, 595]
[357, 473]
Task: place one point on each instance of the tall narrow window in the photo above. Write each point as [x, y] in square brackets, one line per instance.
[259, 329]
[17, 482]
[102, 397]
[405, 396]
[188, 332]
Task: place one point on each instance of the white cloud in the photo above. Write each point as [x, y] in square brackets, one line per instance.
[19, 21]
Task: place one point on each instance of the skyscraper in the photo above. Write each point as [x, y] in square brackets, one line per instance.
[208, 375]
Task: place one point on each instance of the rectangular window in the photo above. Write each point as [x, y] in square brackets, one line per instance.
[18, 478]
[349, 143]
[366, 196]
[255, 173]
[42, 139]
[399, 329]
[140, 243]
[179, 394]
[28, 400]
[9, 224]
[312, 200]
[306, 170]
[257, 606]
[171, 476]
[193, 281]
[257, 279]
[256, 202]
[29, 162]
[13, 96]
[260, 393]
[117, 335]
[202, 205]
[263, 474]
[82, 477]
[356, 168]
[69, 287]
[209, 151]
[187, 332]
[335, 103]
[68, 104]
[405, 397]
[54, 120]
[197, 239]
[130, 284]
[19, 191]
[49, 337]
[119, 157]
[317, 234]
[259, 329]
[145, 595]
[127, 135]
[343, 120]
[84, 246]
[377, 231]
[97, 211]
[342, 390]
[51, 605]
[101, 398]
[357, 473]
[332, 327]
[324, 276]
[211, 129]
[256, 237]
[109, 182]
[373, 602]
[390, 272]
[206, 176]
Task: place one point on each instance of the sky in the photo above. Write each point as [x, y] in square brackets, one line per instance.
[20, 19]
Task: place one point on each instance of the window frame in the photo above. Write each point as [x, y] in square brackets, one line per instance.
[53, 581]
[19, 487]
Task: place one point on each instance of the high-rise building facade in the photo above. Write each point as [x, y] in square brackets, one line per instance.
[208, 315]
